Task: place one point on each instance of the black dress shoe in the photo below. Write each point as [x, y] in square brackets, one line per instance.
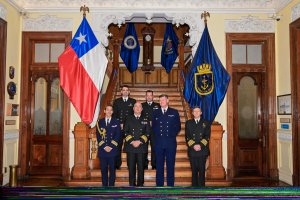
[118, 167]
[153, 167]
[146, 167]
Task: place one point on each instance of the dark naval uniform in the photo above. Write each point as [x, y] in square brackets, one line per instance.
[147, 111]
[166, 127]
[121, 111]
[198, 133]
[136, 129]
[108, 135]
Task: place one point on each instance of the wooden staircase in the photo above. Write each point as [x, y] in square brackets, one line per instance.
[182, 166]
[86, 171]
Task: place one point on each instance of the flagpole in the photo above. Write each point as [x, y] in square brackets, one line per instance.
[205, 15]
[84, 9]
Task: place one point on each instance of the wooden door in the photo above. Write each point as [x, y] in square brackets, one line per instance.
[249, 139]
[3, 31]
[295, 91]
[46, 127]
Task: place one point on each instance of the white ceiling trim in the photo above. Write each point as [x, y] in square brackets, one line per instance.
[282, 4]
[47, 23]
[3, 11]
[101, 21]
[214, 6]
[250, 24]
[295, 12]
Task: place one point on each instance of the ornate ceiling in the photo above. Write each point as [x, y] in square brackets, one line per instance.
[214, 6]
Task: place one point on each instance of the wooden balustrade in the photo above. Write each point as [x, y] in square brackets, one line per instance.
[81, 136]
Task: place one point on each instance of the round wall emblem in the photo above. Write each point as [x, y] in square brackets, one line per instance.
[11, 89]
[130, 42]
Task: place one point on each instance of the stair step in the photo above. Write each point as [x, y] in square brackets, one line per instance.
[154, 89]
[179, 154]
[148, 174]
[155, 94]
[180, 147]
[182, 164]
[123, 182]
[156, 99]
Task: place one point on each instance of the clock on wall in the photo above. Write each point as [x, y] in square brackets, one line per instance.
[11, 89]
[148, 48]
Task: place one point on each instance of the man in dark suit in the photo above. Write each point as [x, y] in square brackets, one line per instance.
[137, 130]
[122, 108]
[108, 133]
[166, 125]
[197, 134]
[148, 107]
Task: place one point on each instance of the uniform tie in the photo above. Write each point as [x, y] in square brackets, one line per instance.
[107, 122]
[197, 121]
[164, 111]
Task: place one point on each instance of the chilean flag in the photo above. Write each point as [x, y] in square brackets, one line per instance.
[82, 68]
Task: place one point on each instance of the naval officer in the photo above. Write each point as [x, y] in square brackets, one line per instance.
[148, 107]
[122, 108]
[108, 133]
[166, 125]
[197, 134]
[137, 130]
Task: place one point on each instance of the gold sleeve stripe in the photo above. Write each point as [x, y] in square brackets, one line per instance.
[191, 142]
[128, 137]
[100, 143]
[114, 143]
[144, 137]
[204, 141]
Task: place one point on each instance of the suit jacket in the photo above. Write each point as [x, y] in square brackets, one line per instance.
[166, 127]
[108, 136]
[136, 129]
[148, 110]
[123, 109]
[197, 134]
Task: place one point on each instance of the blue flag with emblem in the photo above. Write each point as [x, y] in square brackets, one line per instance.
[207, 80]
[169, 51]
[130, 48]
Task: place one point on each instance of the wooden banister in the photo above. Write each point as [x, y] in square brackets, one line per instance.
[106, 100]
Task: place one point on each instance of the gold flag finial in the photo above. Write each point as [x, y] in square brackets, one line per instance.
[84, 9]
[205, 15]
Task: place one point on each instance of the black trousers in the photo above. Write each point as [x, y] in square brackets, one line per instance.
[133, 160]
[198, 170]
[153, 156]
[118, 158]
[108, 164]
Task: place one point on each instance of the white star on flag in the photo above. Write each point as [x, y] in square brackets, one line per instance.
[81, 38]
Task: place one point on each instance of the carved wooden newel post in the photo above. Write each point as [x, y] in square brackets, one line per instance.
[215, 169]
[81, 135]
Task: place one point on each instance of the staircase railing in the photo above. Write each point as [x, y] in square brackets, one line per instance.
[181, 80]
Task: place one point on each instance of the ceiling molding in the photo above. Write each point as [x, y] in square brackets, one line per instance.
[295, 12]
[101, 21]
[3, 11]
[213, 6]
[47, 23]
[250, 24]
[281, 5]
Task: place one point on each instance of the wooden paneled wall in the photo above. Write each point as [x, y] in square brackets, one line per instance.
[158, 77]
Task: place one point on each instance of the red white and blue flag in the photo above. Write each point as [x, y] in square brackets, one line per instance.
[82, 68]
